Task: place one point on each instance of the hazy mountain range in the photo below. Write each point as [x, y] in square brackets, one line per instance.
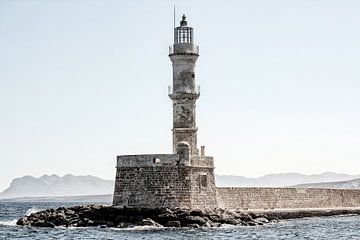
[351, 184]
[54, 185]
[70, 185]
[281, 179]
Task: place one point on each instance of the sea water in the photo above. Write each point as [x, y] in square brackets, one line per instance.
[335, 228]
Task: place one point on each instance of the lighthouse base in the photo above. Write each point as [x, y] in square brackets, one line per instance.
[163, 180]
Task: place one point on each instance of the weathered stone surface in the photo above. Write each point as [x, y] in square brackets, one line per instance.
[193, 225]
[167, 217]
[168, 186]
[195, 220]
[261, 220]
[107, 216]
[173, 224]
[149, 222]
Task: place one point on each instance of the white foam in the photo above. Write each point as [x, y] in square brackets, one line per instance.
[31, 210]
[9, 222]
[137, 228]
[224, 225]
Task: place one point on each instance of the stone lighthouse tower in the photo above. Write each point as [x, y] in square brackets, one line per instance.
[183, 55]
[184, 178]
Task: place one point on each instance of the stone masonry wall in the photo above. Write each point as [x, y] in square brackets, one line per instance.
[203, 193]
[273, 198]
[165, 186]
[152, 187]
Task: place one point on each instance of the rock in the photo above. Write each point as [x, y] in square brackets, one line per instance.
[173, 224]
[36, 215]
[90, 223]
[251, 223]
[22, 221]
[107, 216]
[165, 217]
[39, 223]
[49, 224]
[231, 221]
[69, 212]
[149, 222]
[244, 216]
[261, 220]
[193, 225]
[207, 224]
[195, 220]
[215, 218]
[165, 210]
[60, 220]
[215, 224]
[123, 225]
[182, 213]
[197, 213]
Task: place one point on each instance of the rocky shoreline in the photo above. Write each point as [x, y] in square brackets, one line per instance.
[108, 216]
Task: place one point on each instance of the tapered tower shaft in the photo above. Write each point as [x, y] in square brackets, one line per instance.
[184, 93]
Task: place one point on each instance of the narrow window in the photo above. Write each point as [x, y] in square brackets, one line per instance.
[203, 181]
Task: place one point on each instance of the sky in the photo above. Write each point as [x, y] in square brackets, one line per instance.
[84, 81]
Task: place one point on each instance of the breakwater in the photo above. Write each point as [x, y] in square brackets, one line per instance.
[108, 216]
[287, 198]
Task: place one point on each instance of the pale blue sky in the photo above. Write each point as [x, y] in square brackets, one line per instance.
[83, 81]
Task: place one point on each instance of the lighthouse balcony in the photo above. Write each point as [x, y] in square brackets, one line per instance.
[184, 92]
[183, 49]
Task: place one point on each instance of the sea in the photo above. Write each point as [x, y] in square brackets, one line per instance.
[334, 228]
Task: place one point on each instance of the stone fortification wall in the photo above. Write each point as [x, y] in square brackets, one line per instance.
[165, 180]
[165, 186]
[274, 198]
[152, 187]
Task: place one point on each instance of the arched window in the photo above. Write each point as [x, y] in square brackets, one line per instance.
[183, 149]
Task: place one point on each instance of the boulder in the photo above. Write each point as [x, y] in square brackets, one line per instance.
[173, 224]
[22, 221]
[200, 213]
[149, 222]
[261, 220]
[166, 217]
[207, 224]
[195, 220]
[69, 212]
[231, 221]
[193, 225]
[49, 224]
[215, 218]
[123, 225]
[165, 210]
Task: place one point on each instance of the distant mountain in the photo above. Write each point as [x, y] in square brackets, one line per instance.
[351, 184]
[281, 179]
[105, 199]
[54, 185]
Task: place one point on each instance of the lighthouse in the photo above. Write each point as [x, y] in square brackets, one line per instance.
[185, 177]
[184, 93]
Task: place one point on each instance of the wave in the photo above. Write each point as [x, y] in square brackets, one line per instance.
[137, 228]
[31, 210]
[9, 222]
